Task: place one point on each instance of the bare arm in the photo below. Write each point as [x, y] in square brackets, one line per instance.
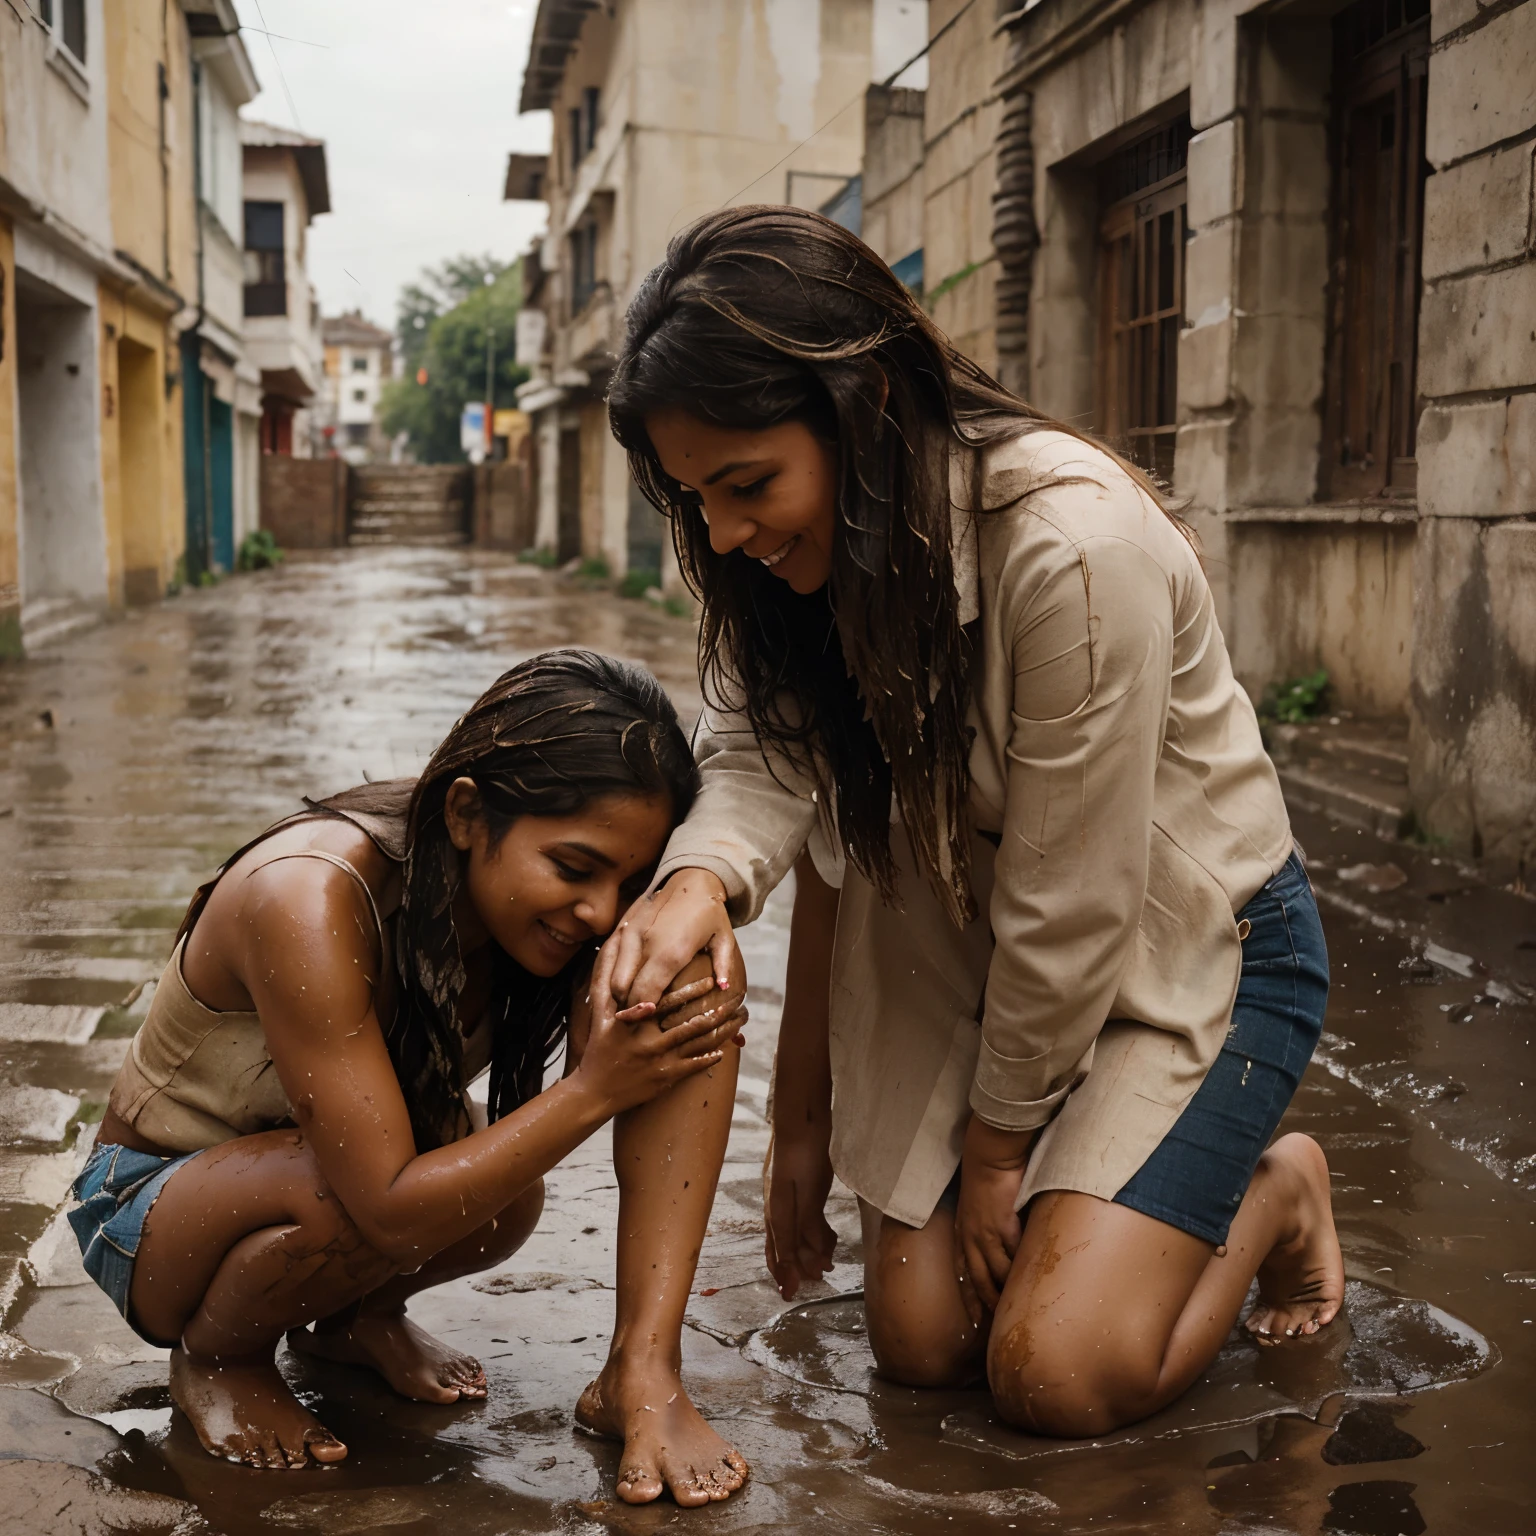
[308, 967]
[800, 1241]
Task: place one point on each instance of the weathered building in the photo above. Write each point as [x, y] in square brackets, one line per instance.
[664, 110]
[1283, 256]
[286, 187]
[359, 362]
[97, 273]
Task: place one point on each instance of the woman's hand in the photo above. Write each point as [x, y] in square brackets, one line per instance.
[796, 1182]
[987, 1228]
[662, 932]
[624, 1064]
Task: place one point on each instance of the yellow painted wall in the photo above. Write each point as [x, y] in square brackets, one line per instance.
[10, 591]
[154, 220]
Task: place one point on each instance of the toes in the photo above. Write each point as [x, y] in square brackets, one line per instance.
[640, 1485]
[324, 1446]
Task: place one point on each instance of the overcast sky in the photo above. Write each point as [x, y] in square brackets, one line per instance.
[417, 103]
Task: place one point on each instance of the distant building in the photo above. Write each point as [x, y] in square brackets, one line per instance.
[221, 384]
[286, 187]
[359, 361]
[649, 133]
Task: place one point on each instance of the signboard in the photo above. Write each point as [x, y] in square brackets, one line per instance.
[531, 327]
[472, 431]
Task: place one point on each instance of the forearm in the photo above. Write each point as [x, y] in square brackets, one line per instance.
[802, 1095]
[441, 1196]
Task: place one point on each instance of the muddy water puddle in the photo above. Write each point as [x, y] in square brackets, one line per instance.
[172, 737]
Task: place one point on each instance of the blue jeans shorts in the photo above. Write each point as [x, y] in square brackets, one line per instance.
[116, 1189]
[1198, 1174]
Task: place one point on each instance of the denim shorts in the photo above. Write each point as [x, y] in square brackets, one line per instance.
[116, 1189]
[1199, 1172]
[1197, 1175]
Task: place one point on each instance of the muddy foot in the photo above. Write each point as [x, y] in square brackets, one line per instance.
[243, 1411]
[1301, 1283]
[407, 1357]
[667, 1444]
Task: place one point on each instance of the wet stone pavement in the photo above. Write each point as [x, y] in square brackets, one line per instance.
[133, 758]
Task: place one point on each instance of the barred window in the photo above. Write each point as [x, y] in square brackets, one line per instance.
[1141, 295]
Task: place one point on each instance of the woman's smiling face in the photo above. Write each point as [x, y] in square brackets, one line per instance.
[771, 493]
[551, 884]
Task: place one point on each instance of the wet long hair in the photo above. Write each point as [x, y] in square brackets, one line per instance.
[545, 739]
[762, 315]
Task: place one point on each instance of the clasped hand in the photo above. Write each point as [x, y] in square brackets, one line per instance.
[987, 1227]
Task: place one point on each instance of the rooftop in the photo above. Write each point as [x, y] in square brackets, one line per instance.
[308, 155]
[556, 31]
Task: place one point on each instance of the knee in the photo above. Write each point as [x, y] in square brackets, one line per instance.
[1071, 1389]
[919, 1352]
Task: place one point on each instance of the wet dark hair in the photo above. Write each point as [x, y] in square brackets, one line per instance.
[545, 739]
[763, 315]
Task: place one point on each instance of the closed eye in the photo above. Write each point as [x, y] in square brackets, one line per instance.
[751, 489]
[570, 873]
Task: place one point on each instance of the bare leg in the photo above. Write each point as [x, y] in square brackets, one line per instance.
[1108, 1315]
[243, 1243]
[376, 1332]
[667, 1156]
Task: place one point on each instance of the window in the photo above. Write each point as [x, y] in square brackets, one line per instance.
[583, 263]
[266, 283]
[1141, 295]
[72, 28]
[1370, 412]
[589, 100]
[360, 364]
[360, 396]
[583, 130]
[67, 20]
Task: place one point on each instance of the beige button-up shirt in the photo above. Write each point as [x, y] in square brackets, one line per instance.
[1123, 810]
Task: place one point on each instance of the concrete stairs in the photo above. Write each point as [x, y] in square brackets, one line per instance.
[1354, 771]
[417, 504]
[47, 620]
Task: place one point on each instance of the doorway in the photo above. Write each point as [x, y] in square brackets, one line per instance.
[61, 529]
[139, 448]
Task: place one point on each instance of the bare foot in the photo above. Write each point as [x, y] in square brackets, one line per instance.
[407, 1357]
[1301, 1283]
[243, 1411]
[667, 1444]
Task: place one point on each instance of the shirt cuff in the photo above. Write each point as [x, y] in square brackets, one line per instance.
[995, 1090]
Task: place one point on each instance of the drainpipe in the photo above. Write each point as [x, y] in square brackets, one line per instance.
[1015, 238]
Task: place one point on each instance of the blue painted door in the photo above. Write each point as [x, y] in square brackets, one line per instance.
[221, 453]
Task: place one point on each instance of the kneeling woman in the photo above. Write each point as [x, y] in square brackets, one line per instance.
[1077, 967]
[289, 1140]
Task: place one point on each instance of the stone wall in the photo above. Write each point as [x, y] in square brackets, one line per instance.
[1473, 706]
[961, 112]
[893, 171]
[304, 501]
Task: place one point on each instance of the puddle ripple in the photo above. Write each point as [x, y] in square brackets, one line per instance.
[1383, 1346]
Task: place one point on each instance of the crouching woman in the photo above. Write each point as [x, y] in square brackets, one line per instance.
[289, 1141]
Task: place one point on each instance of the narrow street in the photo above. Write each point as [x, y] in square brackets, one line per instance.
[134, 756]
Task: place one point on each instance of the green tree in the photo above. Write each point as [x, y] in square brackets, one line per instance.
[442, 322]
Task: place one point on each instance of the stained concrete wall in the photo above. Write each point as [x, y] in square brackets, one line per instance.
[1473, 710]
[961, 112]
[894, 205]
[10, 574]
[1338, 597]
